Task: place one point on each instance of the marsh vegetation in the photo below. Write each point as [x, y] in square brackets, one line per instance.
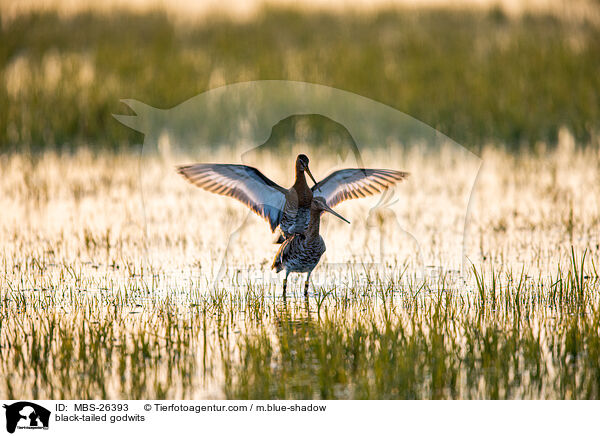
[478, 76]
[103, 296]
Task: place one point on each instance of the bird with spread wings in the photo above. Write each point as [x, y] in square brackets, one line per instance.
[277, 204]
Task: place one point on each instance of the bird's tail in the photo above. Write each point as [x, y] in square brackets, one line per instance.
[281, 253]
[277, 263]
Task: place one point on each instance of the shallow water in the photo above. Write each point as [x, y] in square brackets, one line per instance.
[99, 300]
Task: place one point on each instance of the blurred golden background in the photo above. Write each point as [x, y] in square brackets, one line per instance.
[508, 73]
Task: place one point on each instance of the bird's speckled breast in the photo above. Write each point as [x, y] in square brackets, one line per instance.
[304, 254]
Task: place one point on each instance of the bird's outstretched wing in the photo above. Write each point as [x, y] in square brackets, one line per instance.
[355, 183]
[241, 182]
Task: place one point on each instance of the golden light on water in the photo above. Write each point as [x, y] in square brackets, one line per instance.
[118, 279]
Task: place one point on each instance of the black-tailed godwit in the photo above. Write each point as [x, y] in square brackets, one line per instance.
[288, 209]
[301, 253]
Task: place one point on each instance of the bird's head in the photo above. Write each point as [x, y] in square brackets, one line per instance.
[302, 165]
[320, 205]
[302, 162]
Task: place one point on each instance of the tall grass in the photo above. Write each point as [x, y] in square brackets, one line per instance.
[476, 76]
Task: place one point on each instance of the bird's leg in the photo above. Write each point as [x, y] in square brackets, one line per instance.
[285, 282]
[306, 284]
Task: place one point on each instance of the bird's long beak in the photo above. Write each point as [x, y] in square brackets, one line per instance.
[310, 174]
[333, 212]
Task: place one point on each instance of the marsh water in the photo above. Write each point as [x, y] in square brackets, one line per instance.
[100, 300]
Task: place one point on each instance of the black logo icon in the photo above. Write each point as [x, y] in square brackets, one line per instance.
[26, 415]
